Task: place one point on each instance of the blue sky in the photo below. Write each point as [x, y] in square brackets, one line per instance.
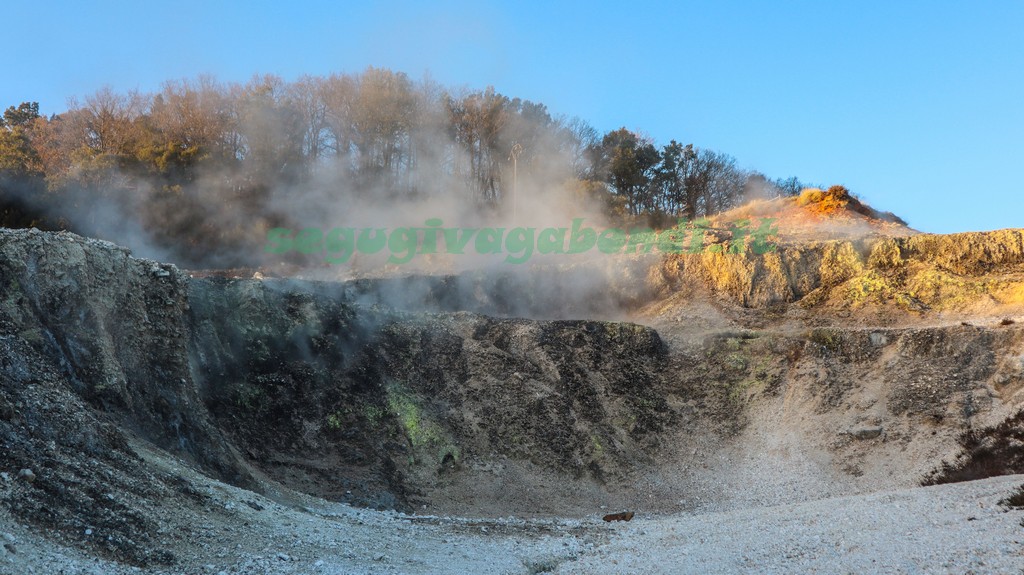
[917, 107]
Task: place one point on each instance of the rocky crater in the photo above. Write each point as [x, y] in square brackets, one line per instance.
[708, 382]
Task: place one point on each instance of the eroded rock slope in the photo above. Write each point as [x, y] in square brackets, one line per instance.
[758, 380]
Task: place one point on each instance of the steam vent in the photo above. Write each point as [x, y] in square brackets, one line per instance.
[851, 393]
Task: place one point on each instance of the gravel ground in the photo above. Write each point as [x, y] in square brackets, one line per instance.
[958, 528]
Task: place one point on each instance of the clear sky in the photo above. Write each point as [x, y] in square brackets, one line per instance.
[916, 106]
